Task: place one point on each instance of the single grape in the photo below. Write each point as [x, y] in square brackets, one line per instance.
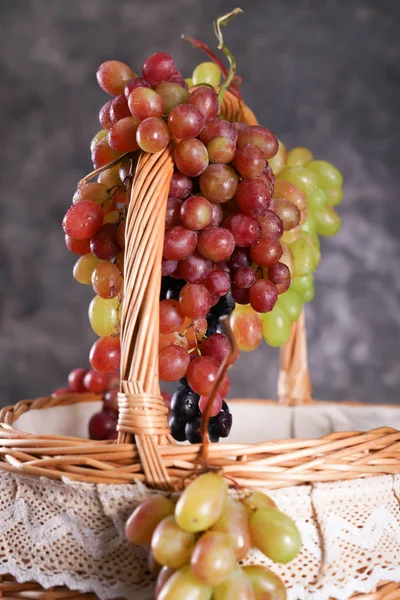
[119, 109]
[206, 100]
[176, 338]
[279, 161]
[196, 212]
[171, 317]
[327, 221]
[183, 585]
[291, 236]
[180, 186]
[288, 191]
[105, 119]
[215, 407]
[84, 268]
[218, 183]
[263, 295]
[266, 585]
[310, 223]
[275, 534]
[97, 192]
[269, 179]
[110, 402]
[177, 78]
[213, 558]
[328, 176]
[279, 274]
[179, 243]
[249, 161]
[195, 268]
[173, 362]
[102, 154]
[218, 128]
[287, 212]
[261, 137]
[106, 280]
[334, 196]
[201, 503]
[144, 103]
[171, 546]
[218, 282]
[266, 252]
[145, 518]
[177, 427]
[110, 178]
[245, 277]
[221, 150]
[276, 327]
[185, 403]
[299, 157]
[83, 220]
[168, 267]
[253, 197]
[134, 83]
[235, 587]
[240, 257]
[122, 135]
[207, 72]
[304, 286]
[216, 346]
[302, 177]
[291, 303]
[152, 135]
[76, 380]
[240, 295]
[234, 522]
[245, 230]
[185, 121]
[201, 375]
[191, 157]
[102, 425]
[105, 355]
[95, 382]
[172, 216]
[61, 392]
[77, 246]
[113, 75]
[215, 243]
[304, 259]
[258, 499]
[223, 423]
[158, 68]
[103, 244]
[271, 225]
[103, 315]
[172, 94]
[162, 579]
[195, 300]
[247, 328]
[100, 135]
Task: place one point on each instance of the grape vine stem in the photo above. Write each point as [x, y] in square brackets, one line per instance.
[218, 23]
[96, 172]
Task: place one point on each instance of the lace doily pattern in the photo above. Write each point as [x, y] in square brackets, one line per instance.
[63, 533]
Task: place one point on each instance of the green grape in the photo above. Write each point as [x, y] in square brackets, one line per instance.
[184, 585]
[313, 240]
[334, 196]
[207, 72]
[201, 503]
[279, 161]
[328, 176]
[170, 546]
[299, 157]
[276, 327]
[291, 304]
[235, 587]
[266, 585]
[189, 81]
[275, 534]
[301, 177]
[328, 221]
[257, 500]
[310, 224]
[234, 522]
[316, 200]
[172, 95]
[288, 237]
[162, 579]
[97, 138]
[304, 286]
[84, 268]
[145, 518]
[213, 557]
[103, 315]
[304, 259]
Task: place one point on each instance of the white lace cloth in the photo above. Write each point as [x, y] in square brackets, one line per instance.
[64, 533]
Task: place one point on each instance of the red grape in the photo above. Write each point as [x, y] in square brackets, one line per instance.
[271, 224]
[113, 75]
[144, 103]
[195, 268]
[201, 375]
[249, 161]
[110, 402]
[191, 157]
[102, 425]
[83, 220]
[215, 243]
[95, 382]
[105, 355]
[216, 405]
[196, 212]
[179, 80]
[240, 258]
[195, 300]
[172, 94]
[153, 135]
[185, 121]
[104, 243]
[245, 230]
[173, 362]
[218, 283]
[180, 186]
[253, 197]
[168, 267]
[119, 109]
[245, 277]
[77, 246]
[122, 135]
[261, 137]
[218, 128]
[279, 274]
[134, 83]
[179, 243]
[105, 116]
[158, 68]
[173, 214]
[102, 154]
[61, 392]
[266, 252]
[288, 191]
[75, 380]
[216, 346]
[106, 280]
[91, 191]
[263, 295]
[206, 100]
[217, 215]
[287, 212]
[171, 317]
[240, 295]
[218, 183]
[221, 150]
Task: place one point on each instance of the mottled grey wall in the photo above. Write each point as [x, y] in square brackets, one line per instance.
[321, 73]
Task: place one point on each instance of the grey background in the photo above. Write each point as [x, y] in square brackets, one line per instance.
[319, 73]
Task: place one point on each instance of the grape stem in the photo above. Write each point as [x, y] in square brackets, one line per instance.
[218, 23]
[228, 360]
[96, 172]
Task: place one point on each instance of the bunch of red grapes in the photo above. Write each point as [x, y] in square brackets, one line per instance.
[222, 229]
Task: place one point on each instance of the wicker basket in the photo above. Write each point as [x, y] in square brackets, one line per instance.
[87, 475]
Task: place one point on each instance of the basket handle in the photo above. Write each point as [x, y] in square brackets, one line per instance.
[294, 384]
[142, 413]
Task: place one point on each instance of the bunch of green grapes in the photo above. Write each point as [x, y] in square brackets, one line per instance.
[197, 543]
[315, 187]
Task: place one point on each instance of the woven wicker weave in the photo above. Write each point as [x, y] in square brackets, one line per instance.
[145, 451]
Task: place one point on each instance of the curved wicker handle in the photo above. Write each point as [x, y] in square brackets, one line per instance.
[294, 385]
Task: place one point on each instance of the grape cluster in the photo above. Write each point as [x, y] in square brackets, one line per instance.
[315, 187]
[197, 544]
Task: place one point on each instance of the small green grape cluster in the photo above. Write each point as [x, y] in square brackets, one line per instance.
[197, 543]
